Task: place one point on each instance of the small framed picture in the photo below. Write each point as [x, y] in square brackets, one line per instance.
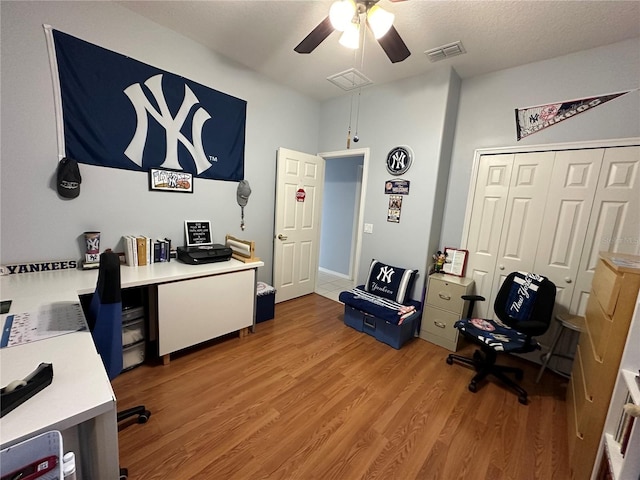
[166, 180]
[456, 263]
[197, 233]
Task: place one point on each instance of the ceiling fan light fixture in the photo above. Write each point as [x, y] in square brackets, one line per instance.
[379, 20]
[341, 13]
[350, 38]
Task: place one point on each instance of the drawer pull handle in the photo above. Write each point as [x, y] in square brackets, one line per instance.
[444, 296]
[439, 324]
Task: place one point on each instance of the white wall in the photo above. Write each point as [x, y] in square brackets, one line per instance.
[414, 112]
[38, 225]
[486, 115]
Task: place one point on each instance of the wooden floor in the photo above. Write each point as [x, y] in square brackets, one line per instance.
[306, 397]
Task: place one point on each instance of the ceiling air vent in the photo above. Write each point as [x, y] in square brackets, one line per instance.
[349, 79]
[445, 51]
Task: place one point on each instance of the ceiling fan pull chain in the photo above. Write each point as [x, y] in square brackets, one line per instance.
[242, 218]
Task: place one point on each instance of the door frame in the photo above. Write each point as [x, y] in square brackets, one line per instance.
[365, 152]
[478, 153]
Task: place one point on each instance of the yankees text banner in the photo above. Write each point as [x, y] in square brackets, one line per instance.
[533, 119]
[121, 113]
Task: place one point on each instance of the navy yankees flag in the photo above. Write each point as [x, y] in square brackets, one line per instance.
[121, 113]
[530, 120]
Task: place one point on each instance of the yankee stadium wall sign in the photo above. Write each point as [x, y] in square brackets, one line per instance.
[121, 113]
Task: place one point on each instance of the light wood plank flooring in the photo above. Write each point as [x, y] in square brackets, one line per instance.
[306, 397]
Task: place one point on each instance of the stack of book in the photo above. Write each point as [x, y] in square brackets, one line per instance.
[625, 424]
[140, 250]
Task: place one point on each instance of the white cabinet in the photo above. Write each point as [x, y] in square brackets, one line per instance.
[443, 307]
[197, 310]
[611, 458]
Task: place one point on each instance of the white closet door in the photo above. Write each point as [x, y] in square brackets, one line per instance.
[572, 186]
[523, 220]
[614, 225]
[485, 224]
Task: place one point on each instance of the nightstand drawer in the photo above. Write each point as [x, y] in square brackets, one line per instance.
[446, 295]
[438, 322]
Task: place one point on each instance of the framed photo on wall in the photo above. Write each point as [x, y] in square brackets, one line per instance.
[170, 180]
[456, 261]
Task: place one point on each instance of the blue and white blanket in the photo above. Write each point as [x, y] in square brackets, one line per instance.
[383, 308]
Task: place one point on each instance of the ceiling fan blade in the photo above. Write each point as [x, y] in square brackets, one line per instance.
[394, 46]
[315, 38]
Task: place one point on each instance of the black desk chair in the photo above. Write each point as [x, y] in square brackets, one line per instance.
[524, 307]
[105, 321]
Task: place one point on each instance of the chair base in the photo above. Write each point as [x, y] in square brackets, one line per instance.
[484, 364]
[142, 413]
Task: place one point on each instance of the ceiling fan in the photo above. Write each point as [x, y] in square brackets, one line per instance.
[345, 16]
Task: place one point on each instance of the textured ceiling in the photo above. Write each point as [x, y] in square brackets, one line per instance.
[261, 35]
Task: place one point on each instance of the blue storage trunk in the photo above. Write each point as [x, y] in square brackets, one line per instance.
[381, 330]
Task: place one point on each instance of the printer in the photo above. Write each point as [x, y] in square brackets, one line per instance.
[196, 255]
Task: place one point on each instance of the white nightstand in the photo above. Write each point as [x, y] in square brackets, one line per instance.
[443, 307]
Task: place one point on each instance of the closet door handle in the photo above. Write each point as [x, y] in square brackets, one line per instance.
[568, 279]
[282, 237]
[501, 267]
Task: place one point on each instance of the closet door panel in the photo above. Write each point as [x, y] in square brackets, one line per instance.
[485, 226]
[524, 216]
[566, 218]
[615, 217]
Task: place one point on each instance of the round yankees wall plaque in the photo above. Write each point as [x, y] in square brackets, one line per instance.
[399, 160]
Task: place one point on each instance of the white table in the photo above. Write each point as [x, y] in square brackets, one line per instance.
[81, 394]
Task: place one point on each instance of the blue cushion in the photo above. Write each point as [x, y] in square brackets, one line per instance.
[496, 335]
[390, 282]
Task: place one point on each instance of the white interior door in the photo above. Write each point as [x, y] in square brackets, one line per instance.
[572, 186]
[614, 223]
[523, 218]
[299, 184]
[485, 224]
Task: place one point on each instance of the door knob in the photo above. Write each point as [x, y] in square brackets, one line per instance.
[567, 279]
[501, 267]
[282, 237]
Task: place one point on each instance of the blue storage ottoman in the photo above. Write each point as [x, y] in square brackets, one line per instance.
[379, 317]
[265, 305]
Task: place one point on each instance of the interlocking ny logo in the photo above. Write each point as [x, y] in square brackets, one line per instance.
[384, 275]
[398, 160]
[172, 125]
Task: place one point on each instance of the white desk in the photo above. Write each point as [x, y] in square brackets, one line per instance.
[81, 394]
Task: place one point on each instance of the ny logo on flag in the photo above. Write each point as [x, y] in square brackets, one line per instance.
[385, 273]
[171, 125]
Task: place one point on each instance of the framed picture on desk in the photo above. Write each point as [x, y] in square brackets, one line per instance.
[456, 261]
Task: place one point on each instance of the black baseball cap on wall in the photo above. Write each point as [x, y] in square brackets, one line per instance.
[69, 178]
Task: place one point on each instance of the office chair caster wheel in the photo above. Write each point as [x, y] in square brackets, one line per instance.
[522, 399]
[124, 474]
[449, 360]
[143, 417]
[473, 387]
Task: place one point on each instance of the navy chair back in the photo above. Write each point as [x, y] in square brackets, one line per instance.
[523, 309]
[105, 312]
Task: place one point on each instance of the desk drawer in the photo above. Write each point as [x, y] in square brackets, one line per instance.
[598, 327]
[446, 295]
